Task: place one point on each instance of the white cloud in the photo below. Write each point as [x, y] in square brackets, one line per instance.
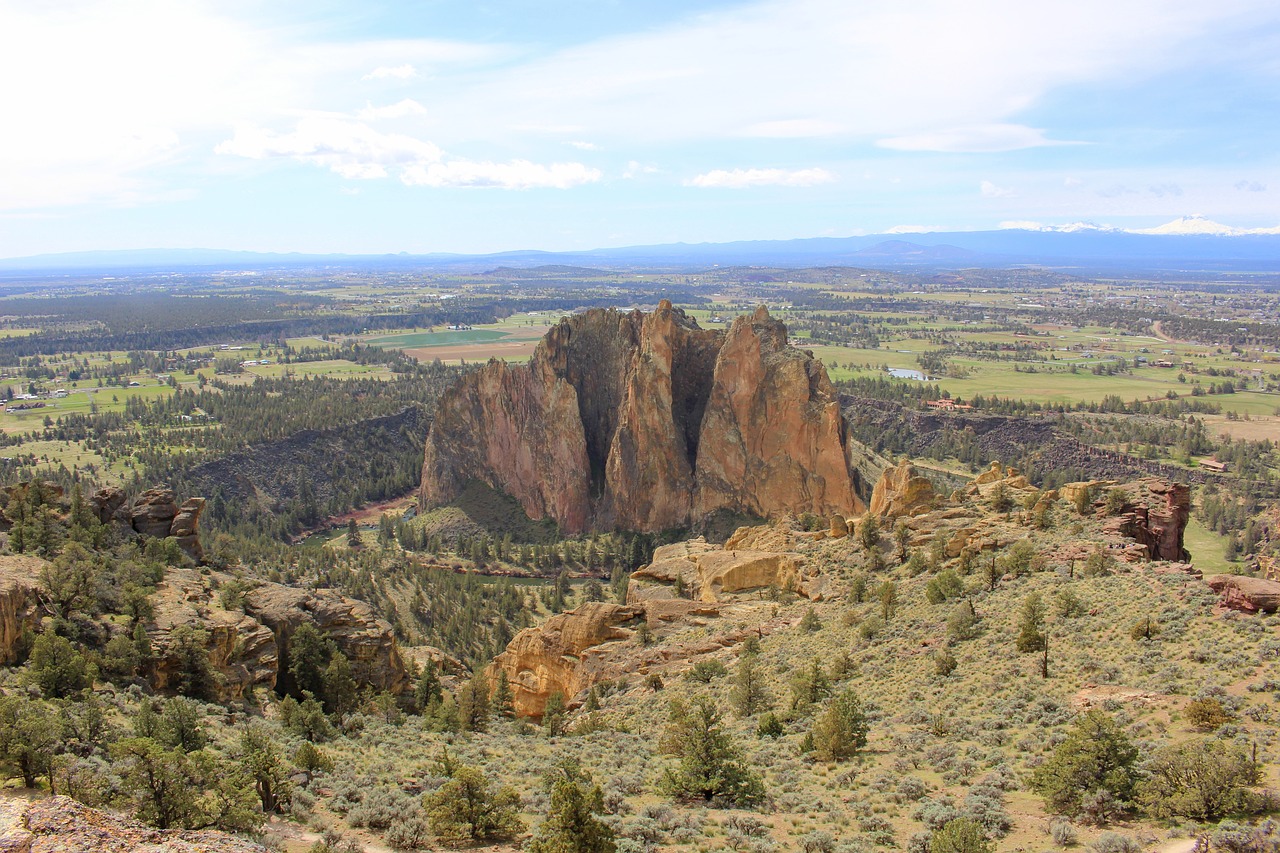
[934, 74]
[743, 178]
[974, 139]
[584, 146]
[990, 190]
[515, 175]
[1021, 225]
[400, 109]
[356, 151]
[394, 72]
[916, 229]
[635, 168]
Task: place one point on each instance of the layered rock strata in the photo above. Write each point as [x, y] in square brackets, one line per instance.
[647, 422]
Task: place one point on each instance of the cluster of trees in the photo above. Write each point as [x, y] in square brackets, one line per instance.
[1095, 775]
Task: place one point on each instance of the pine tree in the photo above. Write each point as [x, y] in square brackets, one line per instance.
[841, 730]
[571, 825]
[749, 693]
[710, 768]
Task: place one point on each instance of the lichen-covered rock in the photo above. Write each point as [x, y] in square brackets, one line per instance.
[19, 608]
[62, 825]
[901, 491]
[1247, 594]
[564, 655]
[647, 422]
[353, 625]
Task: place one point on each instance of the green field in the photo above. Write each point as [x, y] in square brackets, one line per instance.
[414, 340]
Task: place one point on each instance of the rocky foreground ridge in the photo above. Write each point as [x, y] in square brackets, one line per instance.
[62, 825]
[696, 600]
[648, 422]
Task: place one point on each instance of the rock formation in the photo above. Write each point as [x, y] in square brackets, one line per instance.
[564, 655]
[902, 491]
[353, 625]
[1155, 516]
[708, 572]
[1241, 592]
[154, 513]
[647, 422]
[60, 824]
[248, 647]
[19, 610]
[241, 651]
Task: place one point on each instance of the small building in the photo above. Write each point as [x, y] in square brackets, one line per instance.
[61, 392]
[1214, 465]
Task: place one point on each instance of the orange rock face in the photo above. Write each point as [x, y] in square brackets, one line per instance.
[902, 491]
[647, 422]
[563, 655]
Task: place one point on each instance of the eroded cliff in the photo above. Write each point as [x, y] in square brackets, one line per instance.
[647, 422]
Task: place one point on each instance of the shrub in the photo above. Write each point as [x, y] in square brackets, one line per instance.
[1063, 833]
[705, 671]
[961, 835]
[770, 726]
[1203, 780]
[1207, 714]
[711, 768]
[1114, 842]
[944, 663]
[467, 808]
[943, 586]
[962, 624]
[1095, 758]
[841, 730]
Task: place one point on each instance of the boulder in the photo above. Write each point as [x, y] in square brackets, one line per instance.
[1247, 594]
[110, 505]
[647, 422]
[564, 655]
[901, 491]
[19, 606]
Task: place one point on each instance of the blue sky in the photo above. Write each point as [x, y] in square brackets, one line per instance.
[438, 125]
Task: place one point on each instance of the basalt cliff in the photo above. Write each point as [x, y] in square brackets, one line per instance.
[648, 422]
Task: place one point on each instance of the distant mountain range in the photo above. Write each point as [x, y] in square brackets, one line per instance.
[1189, 244]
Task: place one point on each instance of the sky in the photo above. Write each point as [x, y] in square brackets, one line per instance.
[490, 125]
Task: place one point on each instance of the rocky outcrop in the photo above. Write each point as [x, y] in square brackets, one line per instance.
[247, 646]
[1155, 516]
[1247, 594]
[353, 625]
[901, 491]
[19, 609]
[60, 825]
[647, 422]
[185, 528]
[564, 655]
[241, 651]
[154, 513]
[706, 573]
